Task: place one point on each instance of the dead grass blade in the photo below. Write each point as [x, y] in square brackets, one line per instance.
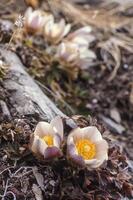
[96, 16]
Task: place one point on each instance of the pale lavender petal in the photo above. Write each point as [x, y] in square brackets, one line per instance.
[77, 160]
[71, 149]
[35, 22]
[73, 154]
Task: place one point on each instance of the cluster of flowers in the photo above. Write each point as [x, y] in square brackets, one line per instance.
[72, 48]
[85, 146]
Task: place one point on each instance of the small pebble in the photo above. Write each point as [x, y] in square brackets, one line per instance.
[125, 66]
[94, 101]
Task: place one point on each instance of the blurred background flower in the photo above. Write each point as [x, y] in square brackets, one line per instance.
[55, 32]
[34, 21]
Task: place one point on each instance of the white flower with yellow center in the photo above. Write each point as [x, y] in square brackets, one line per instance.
[47, 138]
[55, 32]
[34, 21]
[86, 147]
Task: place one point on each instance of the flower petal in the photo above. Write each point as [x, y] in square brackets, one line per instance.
[80, 41]
[90, 162]
[75, 134]
[95, 164]
[52, 152]
[71, 149]
[101, 150]
[84, 30]
[73, 154]
[57, 126]
[67, 29]
[34, 24]
[57, 141]
[92, 133]
[43, 128]
[34, 143]
[78, 160]
[37, 145]
[42, 146]
[28, 13]
[80, 32]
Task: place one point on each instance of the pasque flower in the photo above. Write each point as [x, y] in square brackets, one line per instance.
[86, 147]
[34, 21]
[47, 139]
[72, 54]
[55, 32]
[68, 53]
[74, 50]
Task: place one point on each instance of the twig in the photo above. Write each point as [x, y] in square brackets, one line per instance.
[6, 187]
[14, 196]
[55, 96]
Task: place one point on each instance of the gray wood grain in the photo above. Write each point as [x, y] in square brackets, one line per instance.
[25, 95]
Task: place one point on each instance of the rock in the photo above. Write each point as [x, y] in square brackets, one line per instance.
[112, 125]
[115, 115]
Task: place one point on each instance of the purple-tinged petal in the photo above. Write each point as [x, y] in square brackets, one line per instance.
[52, 152]
[77, 160]
[73, 155]
[34, 24]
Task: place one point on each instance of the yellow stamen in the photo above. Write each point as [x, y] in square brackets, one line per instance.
[48, 139]
[86, 148]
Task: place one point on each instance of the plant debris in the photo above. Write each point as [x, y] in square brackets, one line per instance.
[104, 90]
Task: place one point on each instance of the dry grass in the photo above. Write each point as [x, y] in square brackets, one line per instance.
[101, 17]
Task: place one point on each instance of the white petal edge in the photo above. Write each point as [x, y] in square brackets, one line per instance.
[57, 126]
[91, 133]
[67, 29]
[101, 150]
[71, 149]
[28, 13]
[38, 146]
[75, 134]
[41, 146]
[43, 128]
[56, 141]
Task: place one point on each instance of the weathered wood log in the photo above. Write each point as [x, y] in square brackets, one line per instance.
[25, 95]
